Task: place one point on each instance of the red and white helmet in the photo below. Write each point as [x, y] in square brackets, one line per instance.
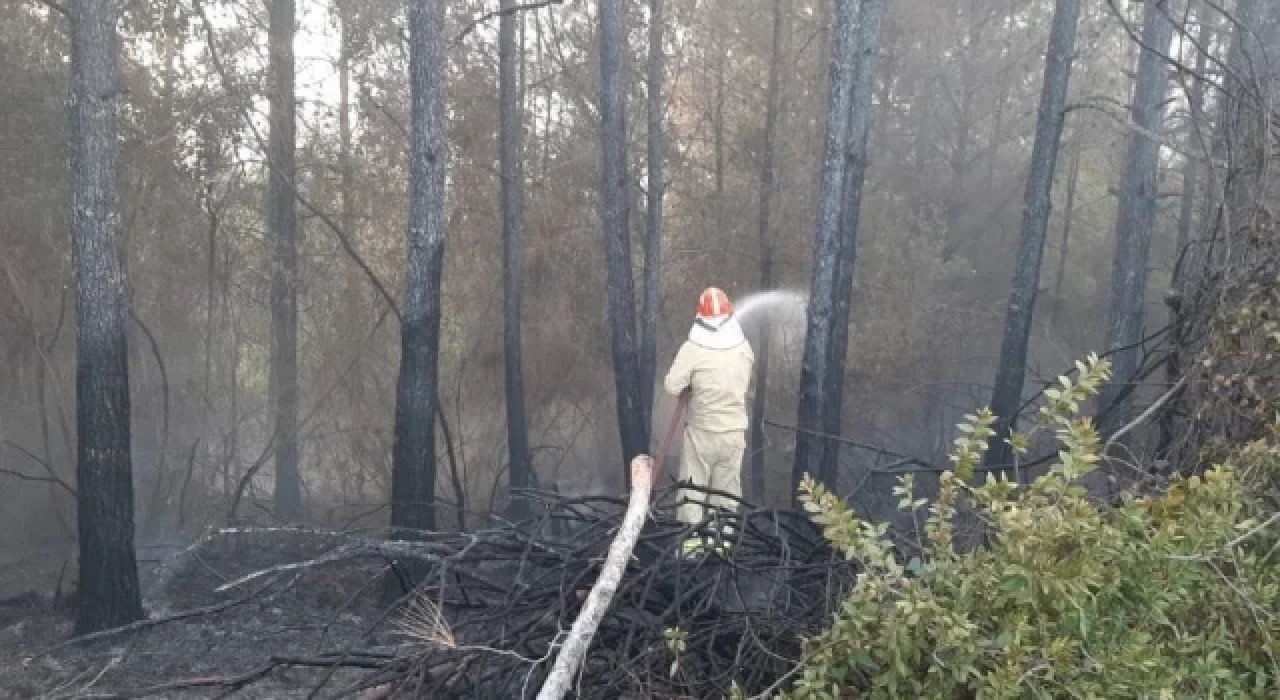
[714, 303]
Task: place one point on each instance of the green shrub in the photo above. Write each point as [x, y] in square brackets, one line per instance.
[1172, 596]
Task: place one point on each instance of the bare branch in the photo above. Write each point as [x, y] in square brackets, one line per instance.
[494, 14]
[53, 477]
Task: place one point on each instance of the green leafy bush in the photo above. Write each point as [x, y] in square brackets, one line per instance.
[1171, 596]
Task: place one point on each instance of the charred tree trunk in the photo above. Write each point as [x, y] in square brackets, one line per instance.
[815, 370]
[413, 471]
[773, 99]
[282, 221]
[512, 175]
[653, 214]
[109, 594]
[617, 249]
[1037, 203]
[1136, 214]
[868, 58]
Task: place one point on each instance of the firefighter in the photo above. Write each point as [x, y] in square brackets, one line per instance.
[714, 366]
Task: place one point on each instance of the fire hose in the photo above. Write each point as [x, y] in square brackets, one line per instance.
[681, 404]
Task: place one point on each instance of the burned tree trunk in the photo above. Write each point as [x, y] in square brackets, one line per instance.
[282, 222]
[109, 593]
[765, 233]
[868, 54]
[1136, 214]
[617, 250]
[815, 371]
[413, 471]
[512, 175]
[1036, 205]
[653, 214]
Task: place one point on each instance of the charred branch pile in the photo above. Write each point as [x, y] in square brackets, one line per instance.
[492, 607]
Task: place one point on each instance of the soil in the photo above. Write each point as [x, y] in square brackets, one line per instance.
[329, 608]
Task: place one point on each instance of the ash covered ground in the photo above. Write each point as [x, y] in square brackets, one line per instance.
[302, 614]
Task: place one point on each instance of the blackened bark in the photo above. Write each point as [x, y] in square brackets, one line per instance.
[617, 249]
[109, 594]
[653, 214]
[870, 24]
[773, 98]
[282, 221]
[413, 475]
[511, 124]
[1037, 203]
[1136, 213]
[815, 367]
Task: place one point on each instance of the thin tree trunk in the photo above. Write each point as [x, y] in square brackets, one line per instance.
[870, 25]
[109, 594]
[621, 287]
[356, 283]
[653, 213]
[1250, 111]
[773, 99]
[1068, 216]
[544, 75]
[282, 214]
[1037, 203]
[957, 202]
[1135, 215]
[512, 176]
[413, 475]
[717, 124]
[209, 163]
[233, 418]
[211, 271]
[1190, 169]
[815, 371]
[1184, 256]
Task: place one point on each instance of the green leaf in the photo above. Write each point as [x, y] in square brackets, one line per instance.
[1014, 583]
[915, 567]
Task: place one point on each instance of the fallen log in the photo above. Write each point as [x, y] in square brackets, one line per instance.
[584, 628]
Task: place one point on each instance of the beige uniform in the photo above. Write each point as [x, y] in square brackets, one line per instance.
[715, 435]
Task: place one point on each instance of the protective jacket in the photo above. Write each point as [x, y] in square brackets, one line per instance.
[716, 364]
